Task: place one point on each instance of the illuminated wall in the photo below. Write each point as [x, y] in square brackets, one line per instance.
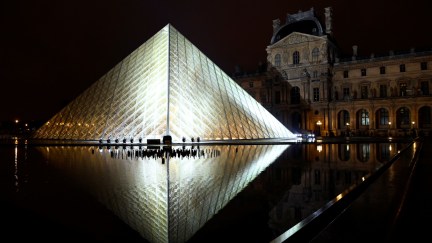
[165, 87]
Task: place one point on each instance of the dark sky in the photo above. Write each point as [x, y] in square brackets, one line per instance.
[52, 50]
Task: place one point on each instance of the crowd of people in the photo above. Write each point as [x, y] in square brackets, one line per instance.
[156, 152]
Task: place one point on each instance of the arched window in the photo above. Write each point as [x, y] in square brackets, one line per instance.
[403, 118]
[343, 119]
[315, 54]
[364, 117]
[383, 116]
[296, 57]
[277, 60]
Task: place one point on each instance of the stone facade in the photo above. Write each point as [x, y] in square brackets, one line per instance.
[309, 85]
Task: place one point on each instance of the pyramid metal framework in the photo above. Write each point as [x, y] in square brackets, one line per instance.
[165, 87]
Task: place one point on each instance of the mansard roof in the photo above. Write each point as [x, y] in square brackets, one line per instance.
[303, 22]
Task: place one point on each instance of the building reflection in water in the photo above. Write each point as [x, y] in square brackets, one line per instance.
[319, 172]
[168, 195]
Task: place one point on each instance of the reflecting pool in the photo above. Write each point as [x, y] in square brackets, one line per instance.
[211, 193]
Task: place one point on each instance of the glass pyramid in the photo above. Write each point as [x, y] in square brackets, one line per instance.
[165, 87]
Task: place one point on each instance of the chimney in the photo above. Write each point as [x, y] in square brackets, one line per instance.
[328, 19]
[276, 25]
[354, 57]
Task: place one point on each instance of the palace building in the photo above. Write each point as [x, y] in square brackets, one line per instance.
[309, 84]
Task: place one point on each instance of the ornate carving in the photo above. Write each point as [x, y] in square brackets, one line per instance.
[295, 39]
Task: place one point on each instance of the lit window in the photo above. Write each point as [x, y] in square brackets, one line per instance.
[364, 117]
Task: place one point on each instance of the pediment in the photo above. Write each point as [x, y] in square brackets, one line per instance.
[297, 38]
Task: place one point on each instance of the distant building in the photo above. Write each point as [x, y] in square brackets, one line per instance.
[309, 85]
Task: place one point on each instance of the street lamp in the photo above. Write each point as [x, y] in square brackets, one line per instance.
[389, 127]
[348, 128]
[413, 129]
[319, 127]
[16, 127]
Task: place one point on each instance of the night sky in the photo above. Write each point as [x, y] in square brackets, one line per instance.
[51, 51]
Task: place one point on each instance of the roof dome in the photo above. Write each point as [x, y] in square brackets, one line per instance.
[303, 22]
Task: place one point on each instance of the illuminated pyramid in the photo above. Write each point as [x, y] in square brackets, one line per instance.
[165, 87]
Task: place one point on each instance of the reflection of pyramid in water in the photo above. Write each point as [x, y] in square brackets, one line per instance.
[165, 87]
[165, 203]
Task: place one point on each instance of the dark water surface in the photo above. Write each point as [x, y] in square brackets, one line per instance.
[212, 193]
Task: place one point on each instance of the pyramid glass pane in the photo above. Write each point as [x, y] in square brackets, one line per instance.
[165, 87]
